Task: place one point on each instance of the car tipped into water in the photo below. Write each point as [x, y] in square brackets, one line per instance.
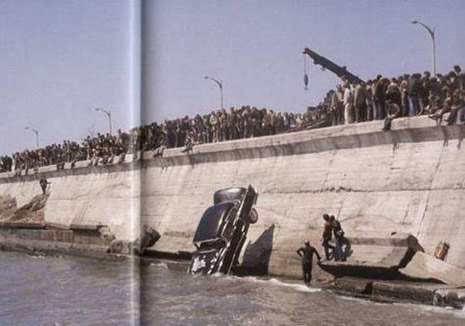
[222, 230]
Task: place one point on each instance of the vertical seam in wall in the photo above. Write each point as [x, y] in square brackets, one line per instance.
[330, 167]
[420, 229]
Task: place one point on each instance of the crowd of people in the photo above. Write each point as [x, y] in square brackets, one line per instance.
[221, 125]
[377, 99]
[406, 95]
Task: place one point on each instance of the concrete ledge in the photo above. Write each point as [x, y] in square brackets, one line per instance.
[375, 255]
[314, 141]
[415, 292]
[27, 235]
[56, 226]
[404, 130]
[384, 239]
[86, 227]
[64, 250]
[424, 266]
[22, 225]
[354, 285]
[403, 291]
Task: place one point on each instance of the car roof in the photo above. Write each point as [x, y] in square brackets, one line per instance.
[211, 222]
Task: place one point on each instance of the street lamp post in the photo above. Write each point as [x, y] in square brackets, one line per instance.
[431, 33]
[108, 113]
[37, 134]
[220, 85]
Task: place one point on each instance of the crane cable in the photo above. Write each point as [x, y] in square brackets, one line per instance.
[305, 73]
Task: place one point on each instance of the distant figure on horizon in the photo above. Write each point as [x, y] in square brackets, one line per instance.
[43, 184]
[306, 252]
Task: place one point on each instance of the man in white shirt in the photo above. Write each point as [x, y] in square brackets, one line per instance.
[348, 103]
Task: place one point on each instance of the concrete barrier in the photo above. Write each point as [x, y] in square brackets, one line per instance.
[374, 255]
[424, 266]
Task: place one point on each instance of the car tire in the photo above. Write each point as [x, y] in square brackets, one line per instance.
[253, 216]
[229, 194]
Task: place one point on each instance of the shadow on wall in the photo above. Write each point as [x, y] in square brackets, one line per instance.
[257, 255]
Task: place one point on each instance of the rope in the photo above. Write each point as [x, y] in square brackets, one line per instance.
[305, 73]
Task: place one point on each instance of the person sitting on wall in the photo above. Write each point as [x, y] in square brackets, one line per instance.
[327, 236]
[158, 152]
[457, 106]
[442, 107]
[393, 111]
[307, 252]
[188, 144]
[43, 184]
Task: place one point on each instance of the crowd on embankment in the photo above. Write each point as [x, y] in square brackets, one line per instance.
[377, 99]
[402, 96]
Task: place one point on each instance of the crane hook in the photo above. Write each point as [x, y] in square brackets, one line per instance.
[305, 73]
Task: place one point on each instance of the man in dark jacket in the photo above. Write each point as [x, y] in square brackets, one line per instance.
[306, 252]
[43, 184]
[379, 96]
[327, 236]
[415, 92]
[339, 235]
[393, 111]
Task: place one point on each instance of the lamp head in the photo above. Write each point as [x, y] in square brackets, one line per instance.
[414, 22]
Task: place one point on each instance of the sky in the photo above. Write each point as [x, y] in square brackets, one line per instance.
[62, 59]
[59, 60]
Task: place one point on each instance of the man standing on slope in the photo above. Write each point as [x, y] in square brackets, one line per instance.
[306, 252]
[339, 235]
[43, 184]
[327, 236]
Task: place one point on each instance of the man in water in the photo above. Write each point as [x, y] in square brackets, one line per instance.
[306, 252]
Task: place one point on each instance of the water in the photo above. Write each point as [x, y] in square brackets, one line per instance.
[74, 291]
[65, 291]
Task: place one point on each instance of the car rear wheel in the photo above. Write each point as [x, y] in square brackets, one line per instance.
[253, 216]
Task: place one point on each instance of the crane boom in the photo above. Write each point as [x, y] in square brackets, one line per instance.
[331, 66]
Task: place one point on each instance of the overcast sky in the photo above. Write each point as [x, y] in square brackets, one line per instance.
[59, 60]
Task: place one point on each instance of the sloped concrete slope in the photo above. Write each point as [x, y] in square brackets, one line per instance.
[408, 180]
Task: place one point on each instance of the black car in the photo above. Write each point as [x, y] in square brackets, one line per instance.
[222, 230]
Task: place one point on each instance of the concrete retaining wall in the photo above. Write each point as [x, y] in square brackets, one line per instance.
[107, 195]
[409, 180]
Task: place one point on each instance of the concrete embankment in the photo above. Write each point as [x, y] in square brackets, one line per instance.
[408, 180]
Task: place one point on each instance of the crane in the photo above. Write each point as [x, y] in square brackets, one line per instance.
[331, 66]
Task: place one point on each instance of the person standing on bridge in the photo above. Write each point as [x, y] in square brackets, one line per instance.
[307, 252]
[348, 103]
